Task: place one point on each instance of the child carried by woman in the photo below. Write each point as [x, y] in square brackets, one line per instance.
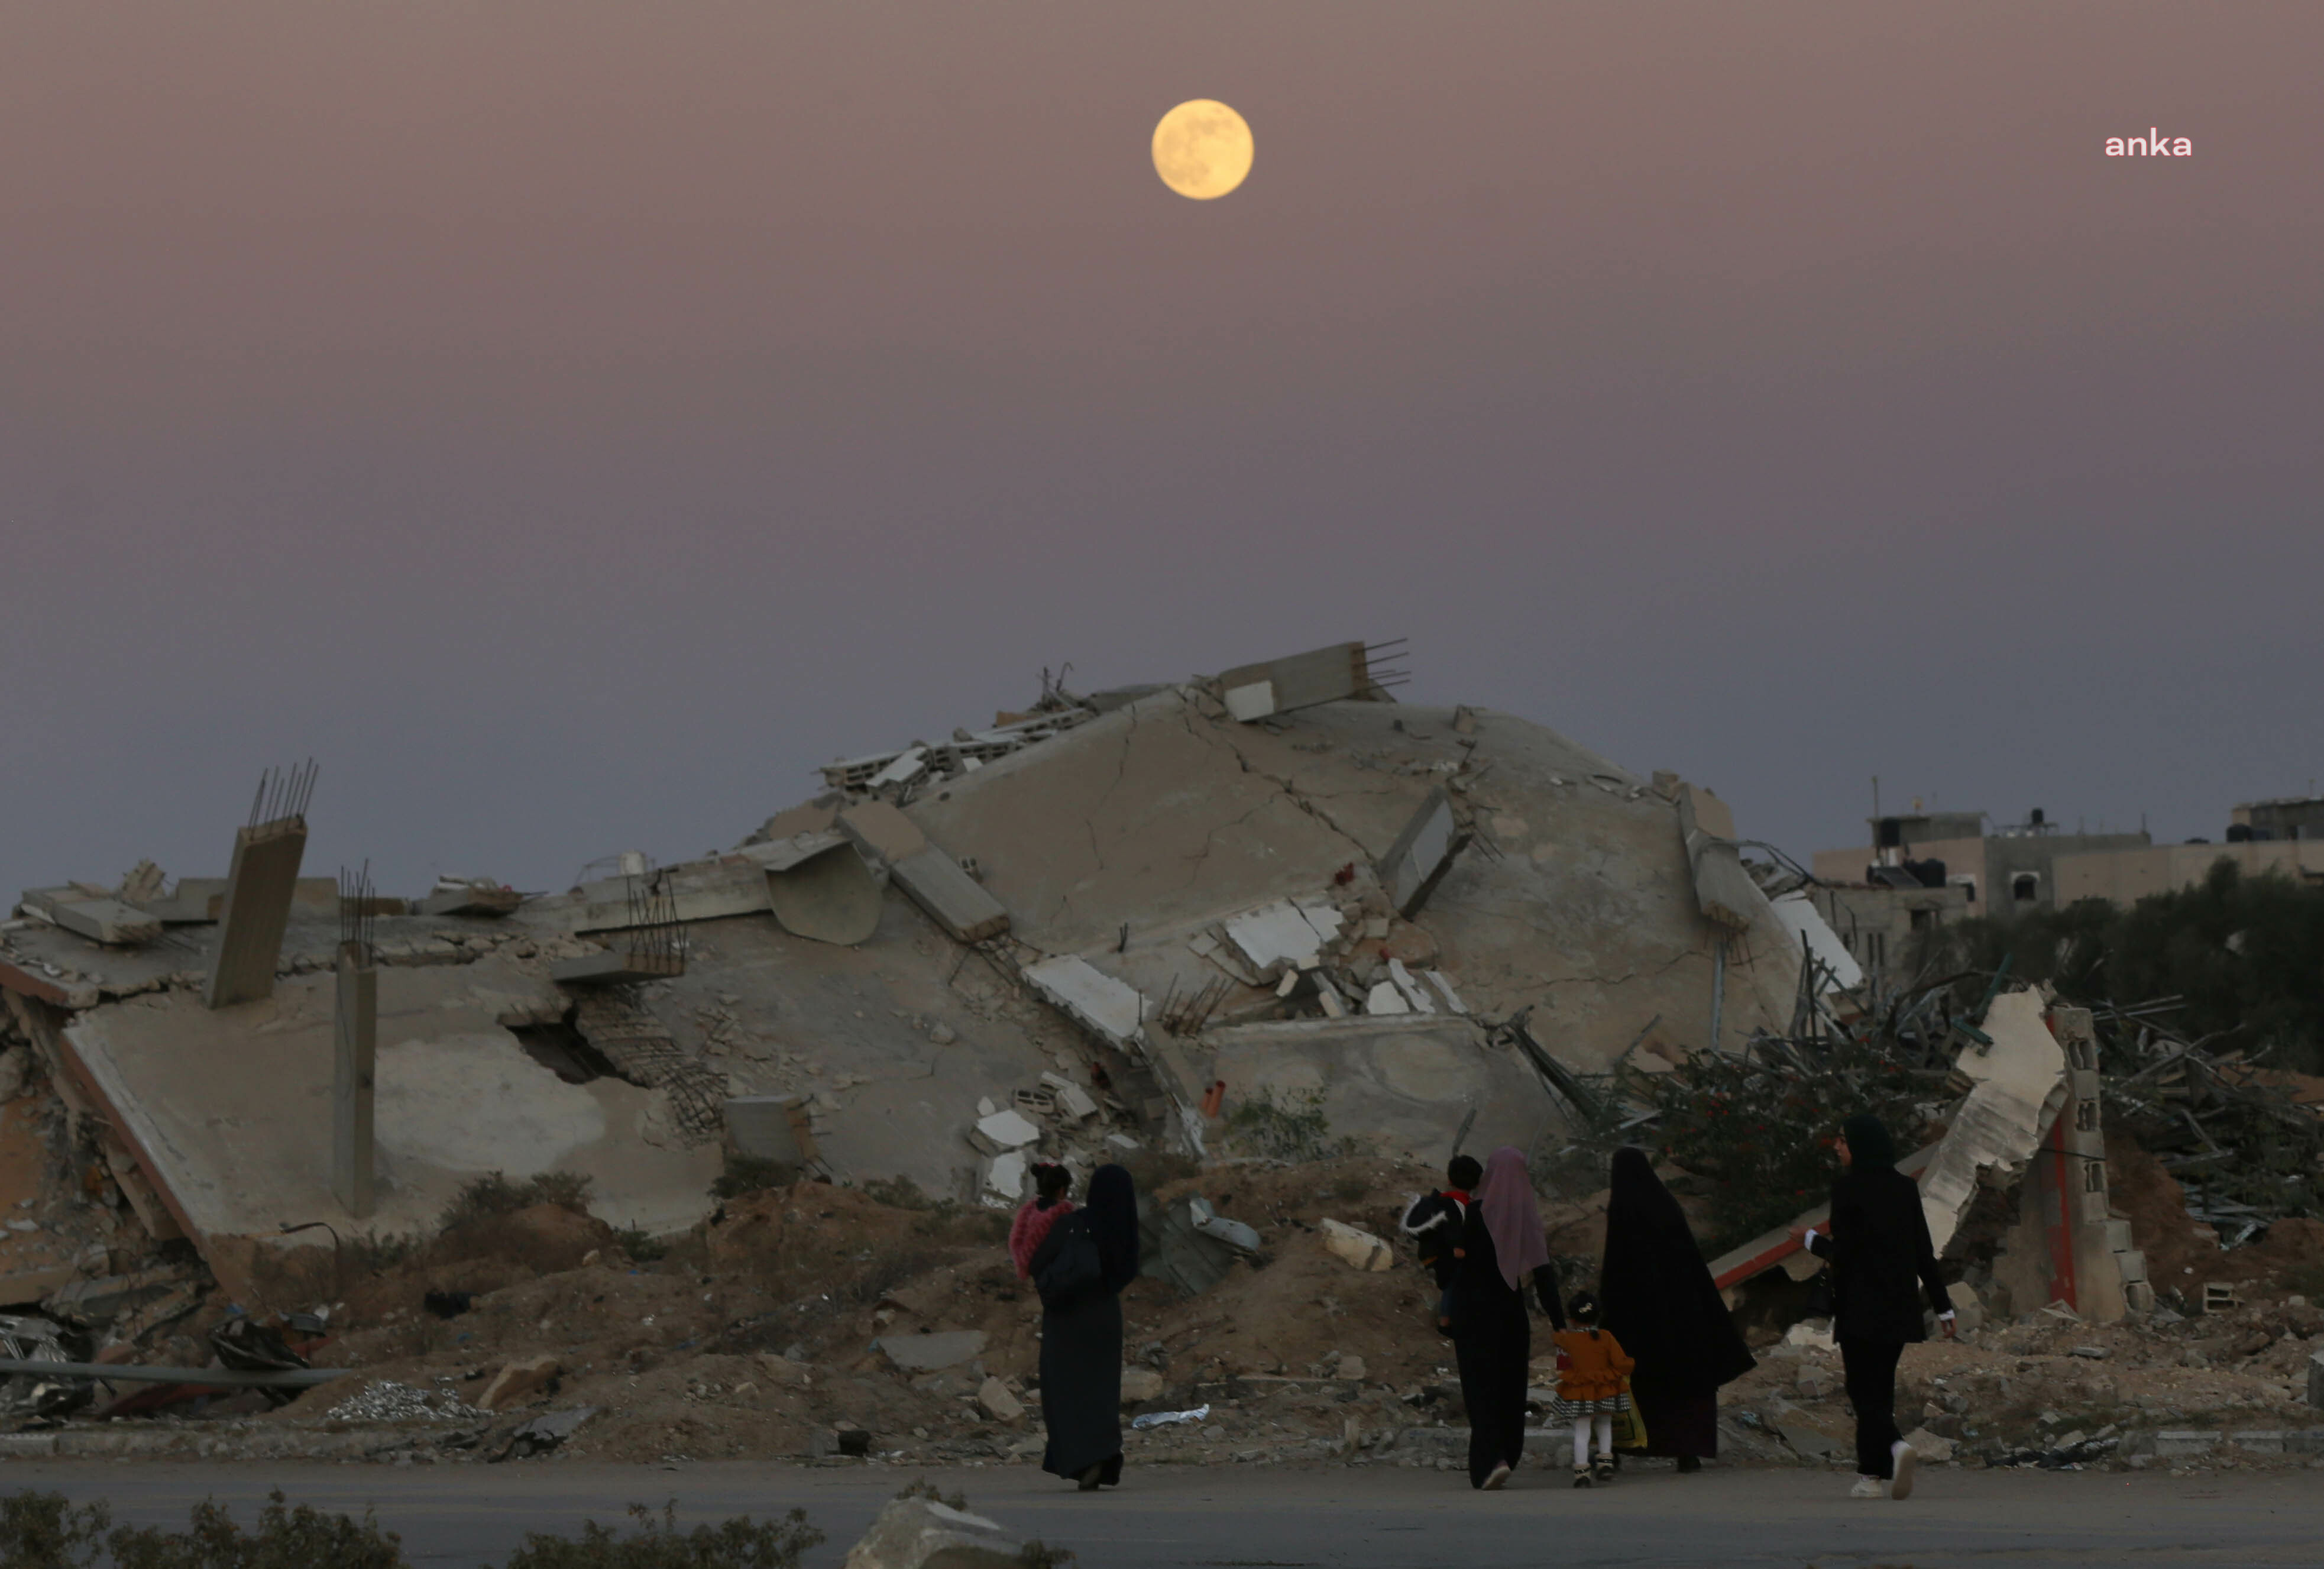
[1591, 1368]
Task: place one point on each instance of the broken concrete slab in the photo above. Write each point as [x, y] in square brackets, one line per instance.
[1092, 999]
[826, 894]
[1413, 993]
[883, 832]
[263, 878]
[931, 1353]
[1072, 1101]
[1002, 1185]
[995, 1400]
[99, 918]
[1283, 935]
[1840, 971]
[1006, 1130]
[1387, 997]
[953, 900]
[193, 901]
[2017, 1085]
[1421, 855]
[520, 1382]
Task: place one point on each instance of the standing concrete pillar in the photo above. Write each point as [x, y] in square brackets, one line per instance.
[356, 1039]
[259, 889]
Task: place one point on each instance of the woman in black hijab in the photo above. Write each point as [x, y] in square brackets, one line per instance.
[1656, 1298]
[1882, 1263]
[1080, 1332]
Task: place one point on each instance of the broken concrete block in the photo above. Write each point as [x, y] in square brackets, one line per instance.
[1839, 971]
[1004, 1179]
[1356, 1247]
[194, 901]
[1327, 997]
[1423, 853]
[1444, 984]
[812, 816]
[519, 1382]
[921, 1533]
[993, 1398]
[931, 1353]
[1723, 891]
[1139, 1385]
[1933, 1447]
[882, 830]
[1385, 998]
[99, 918]
[1241, 1238]
[1968, 1307]
[1401, 978]
[1110, 1007]
[1072, 1101]
[1008, 1130]
[1276, 937]
[1325, 675]
[953, 900]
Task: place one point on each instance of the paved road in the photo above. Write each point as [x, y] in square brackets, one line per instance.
[1249, 1517]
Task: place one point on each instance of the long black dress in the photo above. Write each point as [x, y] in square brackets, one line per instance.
[1081, 1343]
[1493, 1340]
[1883, 1268]
[1657, 1299]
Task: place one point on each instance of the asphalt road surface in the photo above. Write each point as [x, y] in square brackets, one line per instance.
[1270, 1517]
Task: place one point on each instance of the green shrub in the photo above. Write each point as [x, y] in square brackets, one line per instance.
[494, 1195]
[44, 1531]
[740, 1543]
[751, 1174]
[1292, 1129]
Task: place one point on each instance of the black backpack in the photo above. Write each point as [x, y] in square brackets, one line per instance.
[1073, 1270]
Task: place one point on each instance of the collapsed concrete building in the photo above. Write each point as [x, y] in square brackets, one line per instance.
[1109, 922]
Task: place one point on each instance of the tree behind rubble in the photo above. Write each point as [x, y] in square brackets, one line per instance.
[2244, 954]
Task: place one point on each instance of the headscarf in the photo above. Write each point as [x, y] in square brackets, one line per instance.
[1112, 1219]
[1655, 1293]
[1511, 1217]
[1868, 1143]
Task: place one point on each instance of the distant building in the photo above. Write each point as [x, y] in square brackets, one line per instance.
[2288, 818]
[2126, 876]
[2002, 871]
[1883, 926]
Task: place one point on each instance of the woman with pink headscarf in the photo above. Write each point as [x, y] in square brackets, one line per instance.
[1500, 1247]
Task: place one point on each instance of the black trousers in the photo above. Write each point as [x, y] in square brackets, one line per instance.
[1869, 1367]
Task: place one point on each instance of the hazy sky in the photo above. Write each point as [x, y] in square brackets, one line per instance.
[569, 421]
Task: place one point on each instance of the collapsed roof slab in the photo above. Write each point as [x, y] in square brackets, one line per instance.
[1580, 899]
[1144, 816]
[231, 1111]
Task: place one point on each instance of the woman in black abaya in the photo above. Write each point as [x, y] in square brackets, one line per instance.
[1658, 1299]
[1081, 1339]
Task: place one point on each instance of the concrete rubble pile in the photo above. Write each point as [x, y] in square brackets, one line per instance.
[1275, 939]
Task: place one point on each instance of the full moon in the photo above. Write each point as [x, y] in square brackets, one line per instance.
[1201, 149]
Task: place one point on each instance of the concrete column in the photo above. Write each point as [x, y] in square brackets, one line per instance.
[356, 1040]
[257, 908]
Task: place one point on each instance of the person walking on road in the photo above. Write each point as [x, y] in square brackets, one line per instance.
[1657, 1299]
[1878, 1244]
[1501, 1246]
[1080, 1269]
[1591, 1367]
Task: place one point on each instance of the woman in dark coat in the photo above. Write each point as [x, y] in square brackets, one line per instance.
[1500, 1244]
[1656, 1298]
[1081, 1338]
[1882, 1261]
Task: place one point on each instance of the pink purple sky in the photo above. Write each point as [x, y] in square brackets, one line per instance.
[571, 421]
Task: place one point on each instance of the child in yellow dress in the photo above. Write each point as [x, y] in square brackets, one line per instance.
[1592, 1368]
